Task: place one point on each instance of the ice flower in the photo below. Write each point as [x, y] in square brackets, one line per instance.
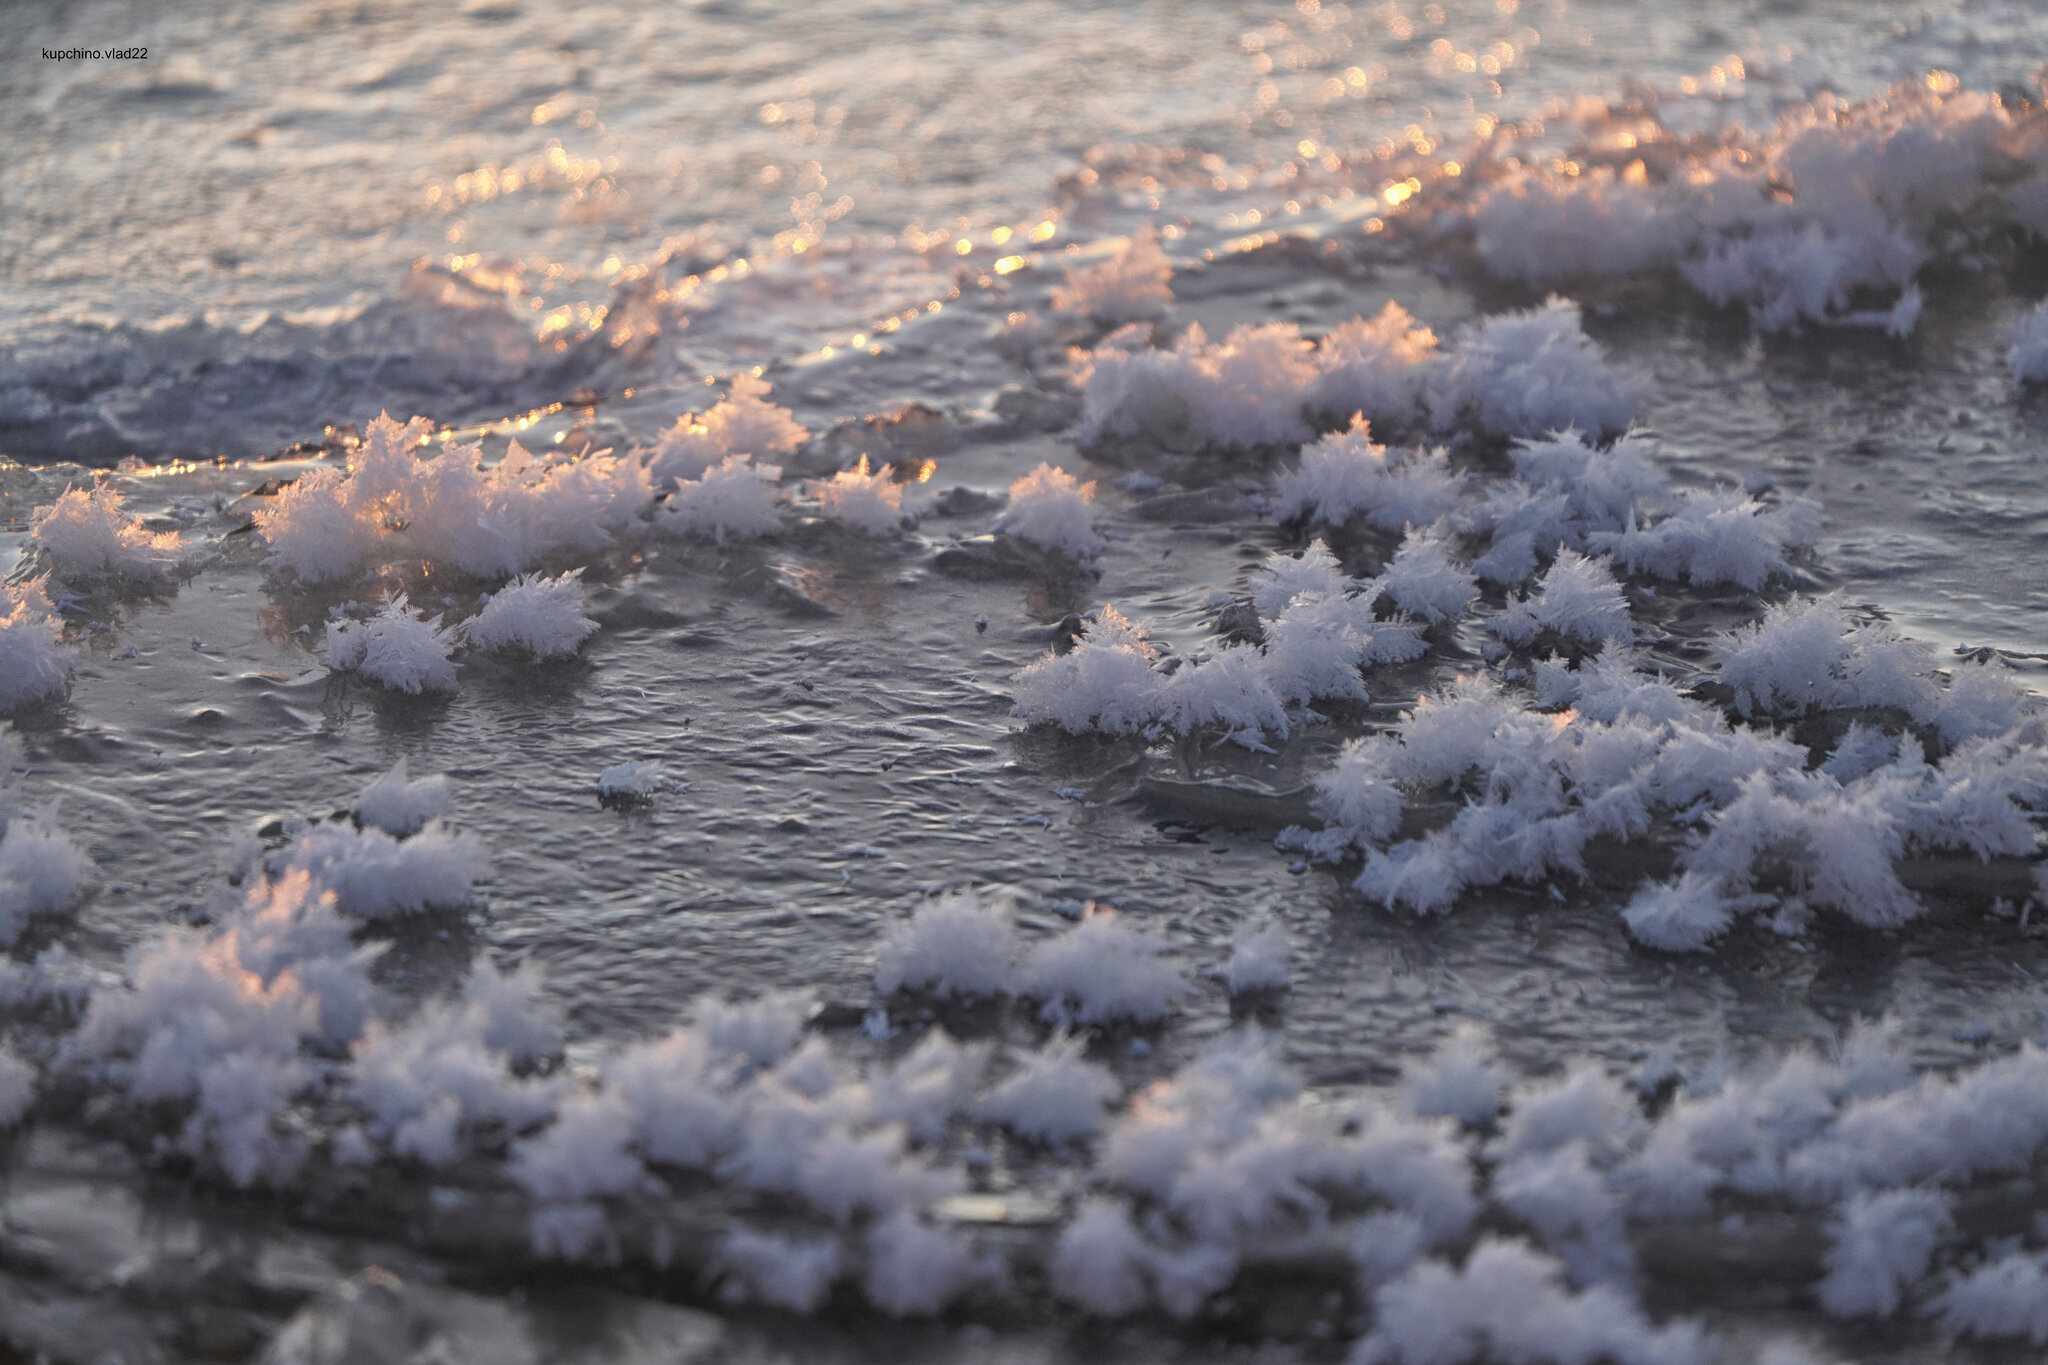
[1101, 969]
[85, 532]
[1131, 286]
[1534, 371]
[1345, 473]
[742, 423]
[871, 502]
[543, 616]
[34, 660]
[1049, 508]
[736, 500]
[397, 647]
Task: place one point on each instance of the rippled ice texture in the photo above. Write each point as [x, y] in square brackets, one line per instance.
[292, 216]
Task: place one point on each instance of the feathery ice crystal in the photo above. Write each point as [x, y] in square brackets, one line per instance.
[1532, 372]
[735, 499]
[34, 660]
[399, 805]
[1345, 473]
[1132, 286]
[85, 532]
[873, 502]
[328, 525]
[543, 616]
[1049, 508]
[957, 944]
[744, 422]
[396, 646]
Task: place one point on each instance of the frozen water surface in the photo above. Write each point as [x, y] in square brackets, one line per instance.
[1646, 968]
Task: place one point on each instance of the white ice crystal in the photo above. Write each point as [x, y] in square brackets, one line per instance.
[742, 423]
[374, 876]
[1280, 576]
[1531, 372]
[1242, 392]
[543, 616]
[1376, 367]
[1358, 793]
[1101, 969]
[34, 660]
[1131, 286]
[1683, 914]
[1227, 688]
[1882, 1243]
[735, 499]
[1721, 537]
[1510, 1302]
[42, 872]
[915, 1269]
[447, 506]
[214, 1024]
[1425, 580]
[929, 1085]
[1799, 223]
[1049, 508]
[1536, 226]
[1585, 1104]
[399, 805]
[18, 1079]
[1460, 1080]
[498, 520]
[1569, 1204]
[85, 532]
[779, 1271]
[1576, 597]
[2028, 358]
[1804, 654]
[1345, 473]
[1259, 955]
[1056, 1094]
[1099, 1264]
[2006, 1298]
[958, 943]
[1316, 647]
[316, 530]
[634, 779]
[429, 1084]
[396, 646]
[761, 1030]
[1105, 682]
[872, 502]
[582, 1155]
